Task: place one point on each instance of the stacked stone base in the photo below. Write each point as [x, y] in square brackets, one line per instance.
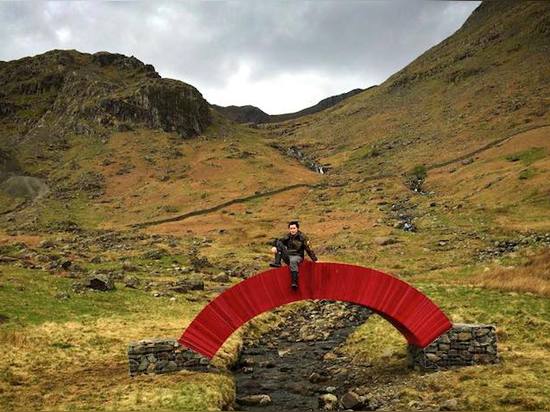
[162, 356]
[463, 345]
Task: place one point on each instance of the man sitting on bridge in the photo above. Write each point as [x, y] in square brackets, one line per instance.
[290, 249]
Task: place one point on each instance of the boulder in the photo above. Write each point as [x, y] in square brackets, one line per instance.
[185, 285]
[99, 282]
[328, 402]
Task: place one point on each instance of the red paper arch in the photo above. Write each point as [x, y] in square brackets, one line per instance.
[410, 311]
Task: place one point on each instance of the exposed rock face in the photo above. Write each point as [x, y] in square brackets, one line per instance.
[164, 104]
[24, 186]
[65, 90]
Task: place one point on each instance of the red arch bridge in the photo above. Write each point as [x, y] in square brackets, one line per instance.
[410, 311]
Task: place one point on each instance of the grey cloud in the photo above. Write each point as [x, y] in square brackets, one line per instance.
[203, 43]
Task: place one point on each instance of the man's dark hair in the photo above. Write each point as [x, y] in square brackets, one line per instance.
[294, 222]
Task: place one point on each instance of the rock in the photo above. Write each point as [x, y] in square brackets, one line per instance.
[384, 240]
[255, 400]
[154, 254]
[62, 296]
[328, 402]
[350, 400]
[131, 282]
[99, 282]
[315, 378]
[96, 259]
[46, 244]
[464, 336]
[185, 285]
[449, 405]
[129, 266]
[221, 277]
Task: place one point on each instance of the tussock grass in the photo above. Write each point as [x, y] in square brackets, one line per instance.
[533, 276]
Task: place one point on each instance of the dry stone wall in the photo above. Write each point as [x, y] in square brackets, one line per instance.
[462, 345]
[162, 356]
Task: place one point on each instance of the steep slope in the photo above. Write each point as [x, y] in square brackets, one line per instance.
[488, 80]
[48, 99]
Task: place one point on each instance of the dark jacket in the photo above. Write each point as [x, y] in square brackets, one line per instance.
[297, 244]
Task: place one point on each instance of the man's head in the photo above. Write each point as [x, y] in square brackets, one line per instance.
[293, 227]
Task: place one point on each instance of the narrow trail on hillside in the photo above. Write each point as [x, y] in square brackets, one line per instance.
[484, 148]
[295, 362]
[200, 212]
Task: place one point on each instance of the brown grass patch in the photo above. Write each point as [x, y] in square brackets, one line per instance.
[532, 277]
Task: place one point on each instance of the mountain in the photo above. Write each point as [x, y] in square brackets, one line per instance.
[252, 114]
[243, 114]
[438, 176]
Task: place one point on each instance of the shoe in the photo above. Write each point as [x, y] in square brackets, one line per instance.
[294, 283]
[277, 262]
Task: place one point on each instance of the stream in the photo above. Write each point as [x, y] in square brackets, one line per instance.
[292, 365]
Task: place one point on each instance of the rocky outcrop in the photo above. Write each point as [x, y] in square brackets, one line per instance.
[68, 91]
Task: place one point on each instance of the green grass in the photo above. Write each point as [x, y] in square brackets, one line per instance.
[29, 297]
[527, 173]
[518, 382]
[529, 156]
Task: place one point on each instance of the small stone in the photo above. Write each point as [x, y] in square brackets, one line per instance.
[384, 240]
[131, 282]
[444, 339]
[350, 400]
[464, 336]
[432, 357]
[171, 366]
[221, 277]
[143, 365]
[315, 377]
[328, 402]
[255, 400]
[449, 405]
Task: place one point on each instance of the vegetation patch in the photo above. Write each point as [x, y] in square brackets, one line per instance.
[529, 156]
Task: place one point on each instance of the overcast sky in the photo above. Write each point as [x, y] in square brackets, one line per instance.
[281, 56]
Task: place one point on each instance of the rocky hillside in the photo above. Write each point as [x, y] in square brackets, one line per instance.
[46, 98]
[252, 114]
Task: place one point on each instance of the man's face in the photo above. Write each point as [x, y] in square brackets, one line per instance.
[292, 229]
